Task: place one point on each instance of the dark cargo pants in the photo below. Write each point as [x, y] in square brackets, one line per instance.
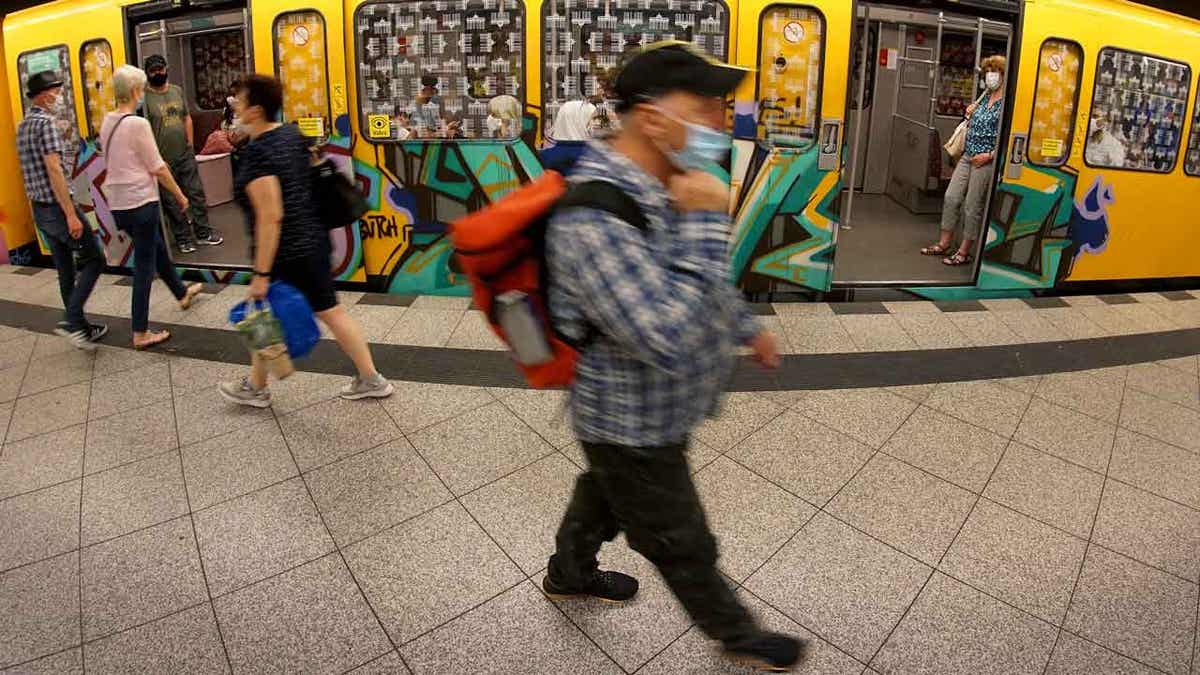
[187, 175]
[648, 493]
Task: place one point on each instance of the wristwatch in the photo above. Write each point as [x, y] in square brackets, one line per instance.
[262, 274]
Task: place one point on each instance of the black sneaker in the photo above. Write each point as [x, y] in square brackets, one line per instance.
[607, 586]
[768, 651]
[187, 247]
[213, 239]
[96, 332]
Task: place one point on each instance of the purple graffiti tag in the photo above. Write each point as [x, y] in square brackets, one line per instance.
[1088, 228]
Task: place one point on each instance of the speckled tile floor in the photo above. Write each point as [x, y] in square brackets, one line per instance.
[1048, 524]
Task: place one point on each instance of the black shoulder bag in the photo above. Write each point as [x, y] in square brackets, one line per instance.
[339, 203]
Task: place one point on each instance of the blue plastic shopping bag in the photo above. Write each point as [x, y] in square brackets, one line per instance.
[295, 316]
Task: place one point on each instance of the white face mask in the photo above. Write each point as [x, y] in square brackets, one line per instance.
[992, 80]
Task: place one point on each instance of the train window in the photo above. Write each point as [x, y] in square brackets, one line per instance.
[300, 64]
[1191, 163]
[1137, 112]
[583, 42]
[95, 59]
[440, 69]
[58, 59]
[218, 59]
[791, 44]
[1060, 71]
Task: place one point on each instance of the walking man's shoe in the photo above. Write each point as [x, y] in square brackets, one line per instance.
[213, 239]
[768, 651]
[241, 393]
[607, 586]
[368, 387]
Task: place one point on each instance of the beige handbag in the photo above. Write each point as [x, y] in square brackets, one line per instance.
[958, 140]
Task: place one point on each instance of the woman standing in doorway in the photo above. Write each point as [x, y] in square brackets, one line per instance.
[972, 179]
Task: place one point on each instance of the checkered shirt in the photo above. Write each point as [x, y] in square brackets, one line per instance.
[665, 318]
[36, 138]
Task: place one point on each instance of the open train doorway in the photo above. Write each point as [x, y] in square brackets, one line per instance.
[207, 48]
[914, 74]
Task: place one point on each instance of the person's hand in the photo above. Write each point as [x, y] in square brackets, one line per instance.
[766, 349]
[74, 225]
[982, 159]
[258, 288]
[971, 109]
[183, 201]
[699, 191]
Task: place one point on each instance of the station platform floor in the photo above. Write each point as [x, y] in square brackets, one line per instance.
[996, 487]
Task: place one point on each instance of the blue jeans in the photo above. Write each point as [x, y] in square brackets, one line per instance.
[79, 261]
[149, 256]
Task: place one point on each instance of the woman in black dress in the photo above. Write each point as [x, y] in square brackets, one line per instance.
[273, 186]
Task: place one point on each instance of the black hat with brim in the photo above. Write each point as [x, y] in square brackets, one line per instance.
[41, 81]
[669, 66]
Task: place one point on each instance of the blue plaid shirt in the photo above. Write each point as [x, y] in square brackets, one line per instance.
[36, 138]
[668, 320]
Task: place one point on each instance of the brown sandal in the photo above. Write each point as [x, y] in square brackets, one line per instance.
[957, 259]
[936, 249]
[153, 338]
[189, 295]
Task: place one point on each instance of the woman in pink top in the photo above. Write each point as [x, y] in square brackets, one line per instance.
[133, 170]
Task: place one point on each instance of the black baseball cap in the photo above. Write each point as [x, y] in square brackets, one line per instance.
[154, 62]
[41, 81]
[673, 65]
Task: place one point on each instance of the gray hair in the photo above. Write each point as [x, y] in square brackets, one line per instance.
[125, 80]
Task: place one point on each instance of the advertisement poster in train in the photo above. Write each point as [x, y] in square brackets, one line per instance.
[1138, 111]
[217, 60]
[789, 75]
[300, 55]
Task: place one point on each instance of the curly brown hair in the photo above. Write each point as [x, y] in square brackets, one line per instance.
[996, 62]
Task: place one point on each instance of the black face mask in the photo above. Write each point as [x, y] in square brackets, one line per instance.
[158, 79]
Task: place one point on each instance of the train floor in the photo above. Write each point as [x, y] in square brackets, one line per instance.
[228, 221]
[1022, 496]
[884, 242]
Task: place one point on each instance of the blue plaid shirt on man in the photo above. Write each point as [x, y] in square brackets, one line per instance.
[666, 319]
[37, 137]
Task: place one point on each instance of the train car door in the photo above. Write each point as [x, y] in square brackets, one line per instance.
[303, 44]
[1028, 240]
[789, 119]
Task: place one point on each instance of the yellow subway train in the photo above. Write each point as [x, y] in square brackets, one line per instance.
[838, 172]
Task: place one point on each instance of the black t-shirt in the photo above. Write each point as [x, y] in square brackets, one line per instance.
[282, 152]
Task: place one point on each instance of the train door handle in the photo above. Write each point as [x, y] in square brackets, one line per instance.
[828, 151]
[1016, 156]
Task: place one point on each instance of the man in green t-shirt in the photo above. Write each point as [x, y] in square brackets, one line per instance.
[167, 110]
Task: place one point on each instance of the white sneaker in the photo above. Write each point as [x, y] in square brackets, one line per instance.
[241, 393]
[374, 387]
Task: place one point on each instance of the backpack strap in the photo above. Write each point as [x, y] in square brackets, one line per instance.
[607, 197]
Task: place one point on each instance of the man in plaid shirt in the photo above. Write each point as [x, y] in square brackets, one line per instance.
[666, 324]
[64, 228]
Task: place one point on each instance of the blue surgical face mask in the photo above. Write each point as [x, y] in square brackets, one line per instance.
[703, 145]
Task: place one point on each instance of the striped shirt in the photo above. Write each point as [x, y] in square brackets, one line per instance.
[37, 137]
[667, 318]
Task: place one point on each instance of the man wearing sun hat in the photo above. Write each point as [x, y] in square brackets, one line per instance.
[661, 324]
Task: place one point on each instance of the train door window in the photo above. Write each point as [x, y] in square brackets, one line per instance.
[57, 59]
[300, 64]
[583, 42]
[440, 69]
[1137, 113]
[1060, 70]
[1191, 163]
[791, 45]
[96, 66]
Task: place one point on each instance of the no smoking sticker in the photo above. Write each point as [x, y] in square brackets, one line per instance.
[1055, 62]
[300, 36]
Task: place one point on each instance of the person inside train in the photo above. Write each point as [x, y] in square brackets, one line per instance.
[967, 194]
[73, 247]
[228, 136]
[134, 170]
[664, 324]
[503, 117]
[427, 115]
[569, 136]
[167, 109]
[1104, 146]
[273, 186]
